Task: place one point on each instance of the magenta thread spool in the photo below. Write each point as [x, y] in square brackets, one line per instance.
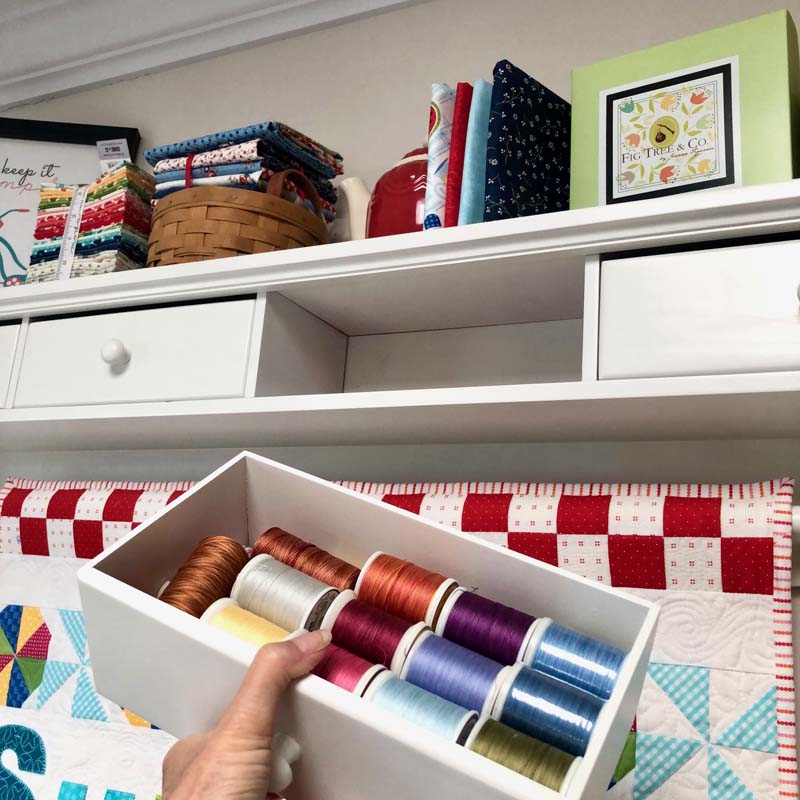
[370, 633]
[492, 629]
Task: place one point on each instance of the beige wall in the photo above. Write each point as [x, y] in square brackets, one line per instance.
[364, 87]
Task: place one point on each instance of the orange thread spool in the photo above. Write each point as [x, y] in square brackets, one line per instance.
[399, 587]
[306, 557]
[207, 575]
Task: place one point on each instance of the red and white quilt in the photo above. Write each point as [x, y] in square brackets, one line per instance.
[70, 743]
[716, 719]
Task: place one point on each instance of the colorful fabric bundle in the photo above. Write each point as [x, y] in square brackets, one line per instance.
[458, 140]
[245, 158]
[527, 167]
[236, 179]
[112, 229]
[439, 128]
[473, 177]
[317, 157]
[496, 150]
[206, 172]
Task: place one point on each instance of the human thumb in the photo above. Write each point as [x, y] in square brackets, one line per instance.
[275, 666]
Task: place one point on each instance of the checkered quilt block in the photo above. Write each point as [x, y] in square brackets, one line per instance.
[74, 518]
[716, 538]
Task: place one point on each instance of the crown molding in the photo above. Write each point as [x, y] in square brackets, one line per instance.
[52, 47]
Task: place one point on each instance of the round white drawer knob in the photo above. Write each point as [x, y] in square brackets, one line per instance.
[115, 353]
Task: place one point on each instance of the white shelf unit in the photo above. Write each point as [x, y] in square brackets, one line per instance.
[486, 333]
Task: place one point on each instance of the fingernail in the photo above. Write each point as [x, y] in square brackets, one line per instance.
[313, 642]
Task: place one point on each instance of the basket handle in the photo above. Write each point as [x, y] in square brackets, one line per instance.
[275, 187]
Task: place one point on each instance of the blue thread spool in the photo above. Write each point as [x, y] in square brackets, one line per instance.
[575, 658]
[450, 671]
[547, 709]
[415, 705]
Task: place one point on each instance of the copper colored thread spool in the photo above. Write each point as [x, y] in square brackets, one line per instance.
[306, 557]
[399, 587]
[207, 575]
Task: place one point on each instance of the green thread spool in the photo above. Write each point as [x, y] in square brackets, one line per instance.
[523, 754]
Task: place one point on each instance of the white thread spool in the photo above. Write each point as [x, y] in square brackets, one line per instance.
[284, 596]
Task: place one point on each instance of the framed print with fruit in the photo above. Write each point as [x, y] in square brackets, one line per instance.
[672, 133]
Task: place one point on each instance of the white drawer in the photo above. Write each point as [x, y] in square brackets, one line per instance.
[731, 310]
[8, 345]
[178, 352]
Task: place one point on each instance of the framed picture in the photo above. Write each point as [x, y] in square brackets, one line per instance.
[34, 152]
[673, 133]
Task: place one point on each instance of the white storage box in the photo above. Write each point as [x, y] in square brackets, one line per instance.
[706, 312]
[180, 673]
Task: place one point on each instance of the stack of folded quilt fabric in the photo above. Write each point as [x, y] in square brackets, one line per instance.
[246, 158]
[113, 231]
[496, 150]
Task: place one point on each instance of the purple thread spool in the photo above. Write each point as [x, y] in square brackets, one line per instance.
[496, 631]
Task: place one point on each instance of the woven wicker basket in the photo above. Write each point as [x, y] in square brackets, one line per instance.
[205, 222]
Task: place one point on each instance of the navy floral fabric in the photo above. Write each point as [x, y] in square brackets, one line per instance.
[527, 169]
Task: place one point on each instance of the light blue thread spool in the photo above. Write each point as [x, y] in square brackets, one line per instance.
[415, 705]
[575, 658]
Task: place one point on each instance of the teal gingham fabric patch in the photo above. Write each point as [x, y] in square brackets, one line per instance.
[757, 728]
[687, 687]
[663, 756]
[722, 781]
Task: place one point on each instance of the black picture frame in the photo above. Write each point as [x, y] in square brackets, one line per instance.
[727, 95]
[67, 132]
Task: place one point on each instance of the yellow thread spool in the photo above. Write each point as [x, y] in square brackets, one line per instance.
[228, 616]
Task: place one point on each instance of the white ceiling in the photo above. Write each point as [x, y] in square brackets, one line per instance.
[50, 47]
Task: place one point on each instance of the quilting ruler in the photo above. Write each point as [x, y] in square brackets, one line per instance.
[70, 239]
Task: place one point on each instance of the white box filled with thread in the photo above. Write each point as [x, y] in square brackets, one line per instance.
[485, 675]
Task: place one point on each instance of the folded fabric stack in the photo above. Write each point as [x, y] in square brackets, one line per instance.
[496, 151]
[246, 158]
[113, 228]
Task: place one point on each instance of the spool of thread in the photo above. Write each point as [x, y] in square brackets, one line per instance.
[517, 751]
[285, 596]
[404, 589]
[347, 670]
[227, 615]
[546, 709]
[450, 671]
[489, 628]
[376, 636]
[206, 576]
[580, 660]
[415, 705]
[307, 558]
